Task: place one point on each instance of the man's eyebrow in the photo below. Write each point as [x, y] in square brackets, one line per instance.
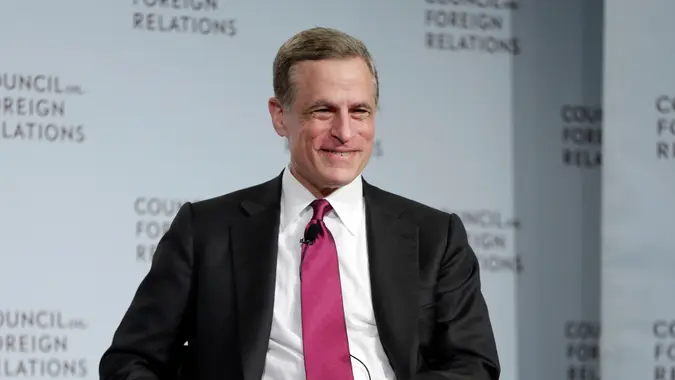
[321, 103]
[362, 105]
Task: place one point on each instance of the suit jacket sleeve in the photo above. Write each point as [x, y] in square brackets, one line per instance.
[154, 328]
[464, 346]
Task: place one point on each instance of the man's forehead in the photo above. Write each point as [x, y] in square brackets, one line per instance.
[355, 66]
[327, 83]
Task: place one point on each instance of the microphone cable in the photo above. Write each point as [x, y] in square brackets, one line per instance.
[363, 364]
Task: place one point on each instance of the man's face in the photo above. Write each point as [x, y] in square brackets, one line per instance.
[330, 127]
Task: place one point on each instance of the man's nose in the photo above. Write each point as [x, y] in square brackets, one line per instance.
[342, 127]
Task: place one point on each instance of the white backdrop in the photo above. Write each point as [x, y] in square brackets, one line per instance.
[638, 255]
[557, 135]
[153, 106]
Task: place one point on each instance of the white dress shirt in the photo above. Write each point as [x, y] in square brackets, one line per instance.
[347, 224]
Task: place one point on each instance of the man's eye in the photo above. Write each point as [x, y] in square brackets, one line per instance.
[361, 113]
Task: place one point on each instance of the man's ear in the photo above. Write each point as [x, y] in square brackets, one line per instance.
[277, 115]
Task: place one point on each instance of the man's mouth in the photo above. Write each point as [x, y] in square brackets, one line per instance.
[338, 153]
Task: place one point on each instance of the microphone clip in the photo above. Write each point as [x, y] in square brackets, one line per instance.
[306, 241]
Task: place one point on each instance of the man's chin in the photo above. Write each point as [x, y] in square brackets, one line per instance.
[340, 177]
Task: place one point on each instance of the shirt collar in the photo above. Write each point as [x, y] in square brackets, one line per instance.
[347, 202]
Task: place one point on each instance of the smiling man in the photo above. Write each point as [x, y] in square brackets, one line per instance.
[315, 274]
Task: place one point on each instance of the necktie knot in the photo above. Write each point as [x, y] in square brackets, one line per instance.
[321, 208]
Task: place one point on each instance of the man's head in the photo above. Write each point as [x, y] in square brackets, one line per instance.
[326, 92]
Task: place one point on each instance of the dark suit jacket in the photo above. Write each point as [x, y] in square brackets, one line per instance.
[212, 280]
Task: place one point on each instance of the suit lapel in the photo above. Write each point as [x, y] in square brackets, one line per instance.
[254, 249]
[392, 250]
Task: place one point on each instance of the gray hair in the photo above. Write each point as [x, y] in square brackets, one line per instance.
[313, 45]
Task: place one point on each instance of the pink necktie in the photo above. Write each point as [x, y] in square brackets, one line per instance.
[324, 332]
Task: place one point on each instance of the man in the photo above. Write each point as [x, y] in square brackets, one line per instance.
[315, 274]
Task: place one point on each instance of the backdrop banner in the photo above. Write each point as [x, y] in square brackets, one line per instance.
[115, 113]
[638, 252]
[558, 158]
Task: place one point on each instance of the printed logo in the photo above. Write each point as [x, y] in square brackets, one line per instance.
[201, 17]
[36, 107]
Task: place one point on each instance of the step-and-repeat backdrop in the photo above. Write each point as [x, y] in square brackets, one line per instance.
[114, 113]
[557, 132]
[638, 249]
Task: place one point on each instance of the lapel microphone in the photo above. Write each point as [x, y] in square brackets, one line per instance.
[309, 238]
[311, 234]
